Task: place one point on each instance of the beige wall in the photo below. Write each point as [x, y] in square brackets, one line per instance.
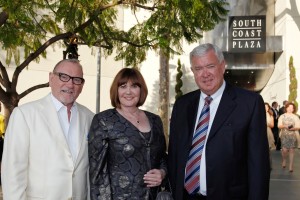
[287, 24]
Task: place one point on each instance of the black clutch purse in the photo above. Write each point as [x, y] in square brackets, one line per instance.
[166, 192]
[164, 195]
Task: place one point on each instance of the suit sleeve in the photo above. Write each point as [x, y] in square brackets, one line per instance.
[15, 157]
[172, 150]
[258, 153]
[98, 172]
[163, 160]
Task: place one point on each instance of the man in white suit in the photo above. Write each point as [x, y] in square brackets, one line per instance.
[45, 148]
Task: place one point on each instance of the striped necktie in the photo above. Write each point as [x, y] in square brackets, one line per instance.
[192, 170]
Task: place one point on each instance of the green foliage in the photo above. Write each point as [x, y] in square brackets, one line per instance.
[26, 28]
[32, 23]
[173, 21]
[29, 27]
[178, 80]
[293, 83]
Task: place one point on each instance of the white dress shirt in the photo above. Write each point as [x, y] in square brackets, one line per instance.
[213, 109]
[68, 127]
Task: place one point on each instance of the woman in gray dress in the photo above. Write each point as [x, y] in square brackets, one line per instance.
[289, 124]
[127, 147]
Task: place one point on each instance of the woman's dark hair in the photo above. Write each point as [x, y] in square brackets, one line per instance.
[270, 111]
[123, 76]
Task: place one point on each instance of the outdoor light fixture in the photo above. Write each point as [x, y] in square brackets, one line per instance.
[72, 48]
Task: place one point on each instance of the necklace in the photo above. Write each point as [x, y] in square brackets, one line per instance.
[130, 116]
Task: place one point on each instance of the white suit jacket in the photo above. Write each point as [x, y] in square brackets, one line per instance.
[37, 162]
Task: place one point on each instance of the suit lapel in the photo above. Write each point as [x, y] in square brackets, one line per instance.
[82, 133]
[225, 108]
[192, 118]
[49, 114]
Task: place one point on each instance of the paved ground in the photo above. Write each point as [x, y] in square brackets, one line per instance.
[283, 185]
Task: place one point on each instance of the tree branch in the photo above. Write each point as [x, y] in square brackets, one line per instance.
[139, 5]
[33, 89]
[152, 8]
[37, 23]
[4, 80]
[34, 55]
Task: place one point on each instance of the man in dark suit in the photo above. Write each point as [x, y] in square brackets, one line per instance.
[275, 127]
[235, 157]
[282, 108]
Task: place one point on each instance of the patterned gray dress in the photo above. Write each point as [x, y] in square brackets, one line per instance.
[288, 137]
[120, 155]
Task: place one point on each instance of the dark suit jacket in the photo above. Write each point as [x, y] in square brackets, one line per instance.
[275, 128]
[237, 153]
[281, 110]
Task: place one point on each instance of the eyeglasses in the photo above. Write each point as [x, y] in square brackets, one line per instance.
[65, 78]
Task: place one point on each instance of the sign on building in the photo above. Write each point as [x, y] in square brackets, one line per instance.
[247, 34]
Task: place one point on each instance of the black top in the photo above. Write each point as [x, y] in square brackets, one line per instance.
[120, 155]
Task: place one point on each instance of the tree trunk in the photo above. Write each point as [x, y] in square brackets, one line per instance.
[164, 80]
[9, 102]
